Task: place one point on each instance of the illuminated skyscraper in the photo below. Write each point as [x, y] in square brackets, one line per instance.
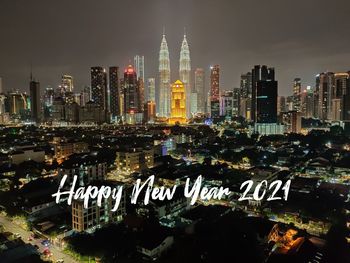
[214, 91]
[151, 89]
[139, 65]
[164, 79]
[324, 91]
[133, 96]
[67, 83]
[185, 73]
[245, 100]
[114, 91]
[199, 87]
[214, 82]
[264, 95]
[297, 94]
[99, 87]
[35, 107]
[178, 103]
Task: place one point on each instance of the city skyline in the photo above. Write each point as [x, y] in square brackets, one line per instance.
[296, 49]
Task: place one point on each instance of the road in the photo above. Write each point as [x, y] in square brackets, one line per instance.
[12, 227]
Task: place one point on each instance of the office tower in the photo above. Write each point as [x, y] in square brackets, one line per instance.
[307, 102]
[346, 101]
[214, 82]
[264, 95]
[214, 91]
[35, 106]
[324, 92]
[67, 83]
[114, 91]
[185, 73]
[199, 87]
[133, 108]
[18, 102]
[297, 94]
[85, 96]
[341, 80]
[150, 111]
[164, 80]
[281, 105]
[139, 65]
[227, 103]
[99, 87]
[245, 99]
[131, 100]
[151, 89]
[194, 103]
[49, 97]
[178, 103]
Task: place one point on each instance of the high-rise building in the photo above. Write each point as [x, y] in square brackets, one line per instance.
[133, 101]
[297, 94]
[324, 92]
[164, 80]
[264, 95]
[35, 106]
[99, 88]
[228, 105]
[199, 87]
[214, 82]
[150, 111]
[178, 103]
[114, 91]
[307, 102]
[245, 99]
[151, 89]
[194, 103]
[281, 105]
[346, 101]
[185, 73]
[215, 91]
[139, 65]
[67, 83]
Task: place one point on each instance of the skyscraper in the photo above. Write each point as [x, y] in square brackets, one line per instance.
[297, 94]
[214, 91]
[199, 87]
[178, 103]
[99, 87]
[185, 73]
[264, 95]
[67, 83]
[164, 79]
[245, 99]
[131, 96]
[139, 65]
[346, 101]
[214, 82]
[151, 89]
[324, 91]
[114, 91]
[35, 107]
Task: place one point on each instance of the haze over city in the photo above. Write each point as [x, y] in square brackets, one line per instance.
[298, 38]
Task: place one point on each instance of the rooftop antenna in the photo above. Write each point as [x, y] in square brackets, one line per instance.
[163, 30]
[184, 31]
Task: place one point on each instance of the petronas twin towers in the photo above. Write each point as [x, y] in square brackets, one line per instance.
[164, 76]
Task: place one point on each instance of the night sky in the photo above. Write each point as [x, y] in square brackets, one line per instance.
[300, 38]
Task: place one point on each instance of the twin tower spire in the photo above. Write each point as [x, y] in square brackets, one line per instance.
[164, 76]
